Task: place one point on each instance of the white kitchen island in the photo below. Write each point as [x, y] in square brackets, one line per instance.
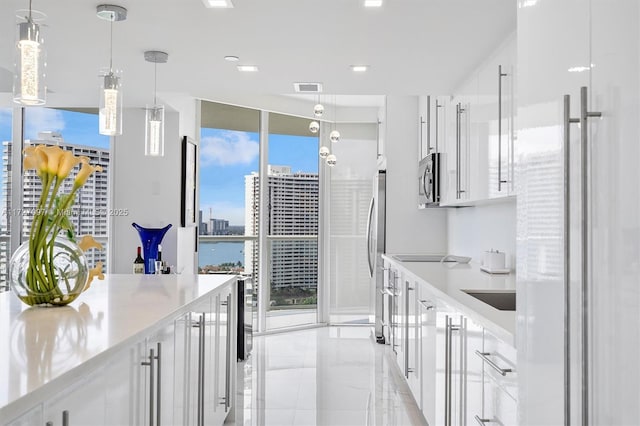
[95, 362]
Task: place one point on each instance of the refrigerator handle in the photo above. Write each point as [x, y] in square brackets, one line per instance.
[369, 220]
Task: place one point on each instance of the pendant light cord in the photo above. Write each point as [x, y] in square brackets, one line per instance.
[30, 17]
[155, 83]
[111, 44]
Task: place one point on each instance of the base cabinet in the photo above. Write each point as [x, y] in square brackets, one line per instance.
[180, 374]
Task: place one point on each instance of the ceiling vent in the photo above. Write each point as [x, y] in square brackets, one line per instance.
[308, 87]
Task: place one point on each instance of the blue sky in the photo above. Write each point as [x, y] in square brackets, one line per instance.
[225, 156]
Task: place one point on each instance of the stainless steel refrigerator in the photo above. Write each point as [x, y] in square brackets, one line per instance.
[376, 247]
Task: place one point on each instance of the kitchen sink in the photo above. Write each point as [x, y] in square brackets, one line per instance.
[504, 300]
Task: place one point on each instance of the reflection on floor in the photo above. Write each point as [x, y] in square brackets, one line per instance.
[323, 376]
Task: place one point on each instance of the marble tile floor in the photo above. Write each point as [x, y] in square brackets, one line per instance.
[334, 376]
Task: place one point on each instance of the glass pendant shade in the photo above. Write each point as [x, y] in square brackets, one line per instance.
[314, 126]
[331, 160]
[154, 133]
[318, 110]
[324, 152]
[28, 84]
[111, 104]
[334, 136]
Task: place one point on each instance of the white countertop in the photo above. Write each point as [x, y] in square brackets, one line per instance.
[449, 279]
[40, 345]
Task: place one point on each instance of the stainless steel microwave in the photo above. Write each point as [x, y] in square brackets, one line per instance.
[429, 181]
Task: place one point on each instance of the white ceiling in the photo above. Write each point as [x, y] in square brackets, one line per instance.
[412, 46]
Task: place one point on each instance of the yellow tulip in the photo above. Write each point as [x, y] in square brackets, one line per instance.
[34, 158]
[53, 153]
[84, 173]
[94, 272]
[67, 162]
[87, 242]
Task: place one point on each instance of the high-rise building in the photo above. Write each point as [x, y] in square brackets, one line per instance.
[89, 214]
[219, 226]
[293, 210]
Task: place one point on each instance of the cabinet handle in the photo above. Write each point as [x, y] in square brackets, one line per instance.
[425, 305]
[158, 359]
[65, 418]
[201, 372]
[585, 114]
[485, 357]
[151, 384]
[481, 421]
[369, 240]
[567, 254]
[227, 386]
[447, 371]
[459, 111]
[437, 106]
[500, 75]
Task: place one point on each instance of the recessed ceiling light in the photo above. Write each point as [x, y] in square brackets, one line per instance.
[231, 58]
[247, 68]
[359, 68]
[372, 3]
[218, 4]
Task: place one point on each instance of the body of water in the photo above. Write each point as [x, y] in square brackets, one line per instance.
[217, 253]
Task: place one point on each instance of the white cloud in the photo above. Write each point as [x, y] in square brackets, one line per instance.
[42, 120]
[228, 149]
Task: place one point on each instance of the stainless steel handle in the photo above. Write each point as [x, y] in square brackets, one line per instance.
[459, 111]
[427, 192]
[421, 136]
[485, 357]
[406, 328]
[159, 384]
[151, 384]
[65, 418]
[481, 421]
[447, 372]
[425, 305]
[436, 129]
[429, 149]
[567, 256]
[227, 386]
[585, 155]
[201, 355]
[369, 220]
[500, 75]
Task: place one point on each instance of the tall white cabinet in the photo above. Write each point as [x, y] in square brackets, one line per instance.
[591, 375]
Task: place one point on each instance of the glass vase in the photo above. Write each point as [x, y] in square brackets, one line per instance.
[56, 283]
[151, 239]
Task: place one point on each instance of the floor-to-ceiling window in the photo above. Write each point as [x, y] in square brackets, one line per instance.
[74, 130]
[292, 224]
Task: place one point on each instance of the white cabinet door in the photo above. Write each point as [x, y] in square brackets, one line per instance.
[426, 315]
[31, 417]
[163, 390]
[412, 367]
[471, 371]
[499, 407]
[219, 403]
[614, 200]
[456, 180]
[493, 126]
[126, 395]
[551, 63]
[82, 403]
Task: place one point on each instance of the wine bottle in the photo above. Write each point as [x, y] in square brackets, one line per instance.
[138, 264]
[158, 262]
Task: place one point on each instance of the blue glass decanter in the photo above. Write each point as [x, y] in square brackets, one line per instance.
[151, 238]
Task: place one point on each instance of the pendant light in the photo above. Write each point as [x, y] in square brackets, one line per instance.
[154, 129]
[334, 136]
[111, 91]
[28, 84]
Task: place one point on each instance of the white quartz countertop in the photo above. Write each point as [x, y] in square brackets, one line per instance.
[447, 280]
[41, 345]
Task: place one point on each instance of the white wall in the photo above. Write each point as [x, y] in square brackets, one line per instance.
[149, 187]
[473, 230]
[409, 229]
[189, 125]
